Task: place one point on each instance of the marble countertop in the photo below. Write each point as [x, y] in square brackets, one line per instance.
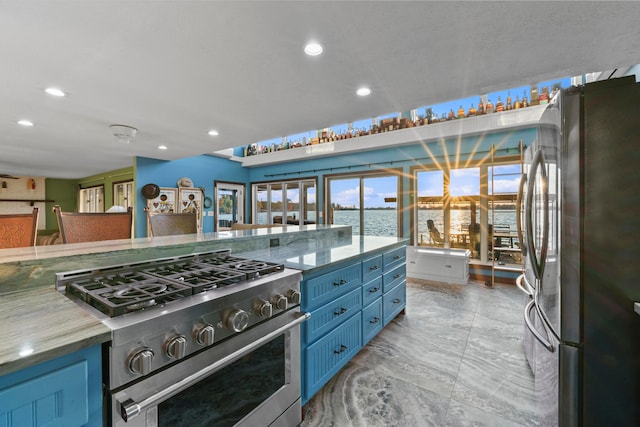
[312, 255]
[39, 323]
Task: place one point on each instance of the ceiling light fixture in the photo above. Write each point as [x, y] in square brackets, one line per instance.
[162, 147]
[313, 49]
[54, 91]
[363, 91]
[123, 133]
[213, 132]
[25, 122]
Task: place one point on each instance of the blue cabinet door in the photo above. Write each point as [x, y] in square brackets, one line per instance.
[65, 392]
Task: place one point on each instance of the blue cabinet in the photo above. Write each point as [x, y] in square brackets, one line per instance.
[349, 305]
[65, 392]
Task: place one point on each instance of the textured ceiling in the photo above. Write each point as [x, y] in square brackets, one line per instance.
[175, 69]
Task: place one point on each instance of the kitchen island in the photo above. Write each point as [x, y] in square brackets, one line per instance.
[39, 323]
[42, 326]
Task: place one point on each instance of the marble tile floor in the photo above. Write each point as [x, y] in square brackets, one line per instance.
[454, 359]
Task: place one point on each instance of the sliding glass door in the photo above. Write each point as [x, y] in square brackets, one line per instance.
[368, 203]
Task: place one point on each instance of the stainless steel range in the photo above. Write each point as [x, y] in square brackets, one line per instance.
[204, 339]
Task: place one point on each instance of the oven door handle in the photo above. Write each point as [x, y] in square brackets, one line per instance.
[130, 409]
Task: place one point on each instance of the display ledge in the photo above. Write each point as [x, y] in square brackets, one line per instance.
[508, 120]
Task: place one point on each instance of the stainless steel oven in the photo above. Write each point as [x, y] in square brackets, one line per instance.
[249, 380]
[206, 339]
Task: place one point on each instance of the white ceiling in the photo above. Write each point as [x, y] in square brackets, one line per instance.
[175, 69]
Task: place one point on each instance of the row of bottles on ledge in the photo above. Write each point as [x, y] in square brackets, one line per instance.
[397, 123]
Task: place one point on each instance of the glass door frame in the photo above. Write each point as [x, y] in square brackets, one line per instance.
[238, 209]
[395, 172]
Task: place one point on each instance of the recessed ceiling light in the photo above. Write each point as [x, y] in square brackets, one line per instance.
[25, 122]
[213, 132]
[313, 49]
[363, 91]
[162, 147]
[54, 91]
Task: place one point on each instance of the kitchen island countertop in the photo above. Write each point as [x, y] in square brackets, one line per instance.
[39, 323]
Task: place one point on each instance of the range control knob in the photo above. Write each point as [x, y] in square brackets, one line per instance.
[175, 347]
[237, 320]
[205, 335]
[140, 361]
[293, 296]
[264, 309]
[280, 301]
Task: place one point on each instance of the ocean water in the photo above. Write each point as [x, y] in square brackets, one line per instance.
[384, 222]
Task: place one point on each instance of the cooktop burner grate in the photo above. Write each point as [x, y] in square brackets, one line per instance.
[127, 291]
[251, 268]
[204, 279]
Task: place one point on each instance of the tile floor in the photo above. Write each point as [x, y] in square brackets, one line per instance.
[454, 359]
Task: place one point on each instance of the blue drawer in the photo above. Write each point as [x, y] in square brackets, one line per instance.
[393, 258]
[371, 291]
[371, 321]
[371, 268]
[394, 277]
[329, 286]
[324, 358]
[394, 302]
[331, 315]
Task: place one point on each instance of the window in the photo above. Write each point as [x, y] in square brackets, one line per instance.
[368, 203]
[91, 199]
[452, 201]
[123, 194]
[285, 202]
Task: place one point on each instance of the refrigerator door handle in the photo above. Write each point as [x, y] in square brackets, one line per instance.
[519, 203]
[527, 320]
[526, 288]
[537, 264]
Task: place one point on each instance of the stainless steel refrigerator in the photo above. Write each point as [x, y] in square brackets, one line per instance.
[580, 224]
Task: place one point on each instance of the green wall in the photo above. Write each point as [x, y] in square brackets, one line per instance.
[64, 192]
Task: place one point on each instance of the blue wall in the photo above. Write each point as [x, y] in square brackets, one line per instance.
[202, 170]
[403, 157]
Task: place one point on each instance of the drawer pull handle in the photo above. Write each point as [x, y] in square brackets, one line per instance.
[374, 320]
[396, 257]
[397, 275]
[373, 290]
[373, 268]
[397, 300]
[342, 349]
[342, 311]
[340, 283]
[447, 265]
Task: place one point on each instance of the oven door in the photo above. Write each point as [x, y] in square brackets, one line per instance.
[252, 378]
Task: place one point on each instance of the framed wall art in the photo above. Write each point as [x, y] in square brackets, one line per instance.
[190, 199]
[165, 202]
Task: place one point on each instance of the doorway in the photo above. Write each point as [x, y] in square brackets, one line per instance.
[229, 204]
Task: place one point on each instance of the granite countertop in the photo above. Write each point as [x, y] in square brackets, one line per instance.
[39, 323]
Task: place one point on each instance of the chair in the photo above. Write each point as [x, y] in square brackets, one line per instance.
[434, 233]
[169, 224]
[93, 227]
[18, 230]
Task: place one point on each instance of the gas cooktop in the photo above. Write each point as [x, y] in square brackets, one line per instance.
[128, 288]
